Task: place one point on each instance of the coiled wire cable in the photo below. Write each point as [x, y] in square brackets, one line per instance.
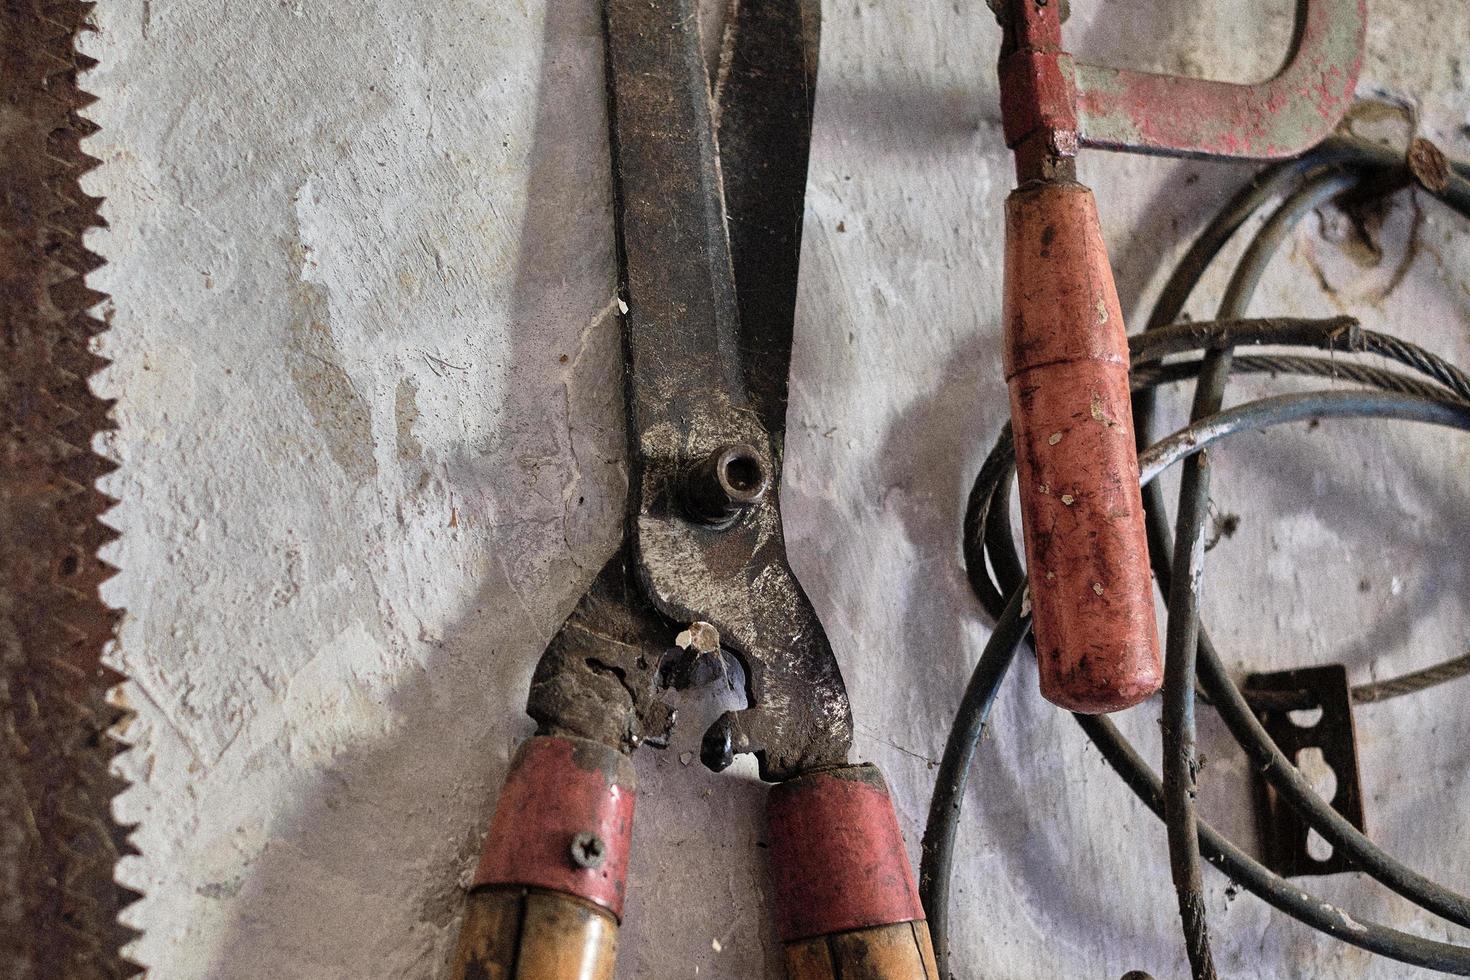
[1440, 394]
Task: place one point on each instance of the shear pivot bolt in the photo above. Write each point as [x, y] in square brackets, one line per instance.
[726, 483]
[588, 850]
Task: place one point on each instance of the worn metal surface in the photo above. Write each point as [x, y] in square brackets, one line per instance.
[764, 85]
[58, 840]
[1037, 95]
[1290, 112]
[692, 389]
[602, 675]
[1073, 103]
[1332, 734]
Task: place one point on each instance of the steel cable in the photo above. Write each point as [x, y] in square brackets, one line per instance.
[994, 568]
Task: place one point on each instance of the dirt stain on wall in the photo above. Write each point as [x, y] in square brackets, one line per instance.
[337, 408]
[405, 414]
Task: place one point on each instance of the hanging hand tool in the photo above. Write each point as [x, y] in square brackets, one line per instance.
[1066, 353]
[709, 194]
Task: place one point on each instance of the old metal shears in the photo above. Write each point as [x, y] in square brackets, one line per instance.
[709, 192]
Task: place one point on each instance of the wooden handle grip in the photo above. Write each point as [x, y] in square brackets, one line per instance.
[846, 903]
[548, 893]
[1066, 364]
[524, 934]
[897, 952]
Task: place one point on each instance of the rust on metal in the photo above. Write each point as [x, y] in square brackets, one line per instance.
[1037, 97]
[838, 860]
[561, 795]
[1324, 690]
[1428, 164]
[59, 843]
[709, 363]
[1285, 115]
[600, 677]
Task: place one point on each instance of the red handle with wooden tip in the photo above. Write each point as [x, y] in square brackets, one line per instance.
[1066, 364]
[548, 895]
[846, 903]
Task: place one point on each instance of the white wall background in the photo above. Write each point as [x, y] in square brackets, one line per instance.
[364, 360]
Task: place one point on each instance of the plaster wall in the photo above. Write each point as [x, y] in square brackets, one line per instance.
[365, 362]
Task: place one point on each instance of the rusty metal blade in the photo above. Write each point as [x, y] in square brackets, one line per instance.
[58, 842]
[692, 390]
[765, 88]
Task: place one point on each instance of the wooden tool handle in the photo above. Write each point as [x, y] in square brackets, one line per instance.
[1066, 364]
[846, 903]
[897, 952]
[548, 894]
[520, 934]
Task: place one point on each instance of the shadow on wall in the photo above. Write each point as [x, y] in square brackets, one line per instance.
[395, 824]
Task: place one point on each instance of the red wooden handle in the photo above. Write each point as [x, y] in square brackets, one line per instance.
[564, 822]
[846, 902]
[838, 859]
[1066, 364]
[547, 897]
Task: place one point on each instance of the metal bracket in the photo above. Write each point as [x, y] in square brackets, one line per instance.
[1285, 115]
[1325, 689]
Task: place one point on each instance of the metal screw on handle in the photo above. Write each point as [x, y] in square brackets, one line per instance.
[588, 850]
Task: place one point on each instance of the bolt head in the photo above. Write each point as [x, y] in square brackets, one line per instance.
[727, 482]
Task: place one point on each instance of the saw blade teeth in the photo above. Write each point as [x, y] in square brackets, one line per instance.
[81, 127]
[69, 252]
[74, 356]
[87, 325]
[74, 294]
[83, 467]
[55, 689]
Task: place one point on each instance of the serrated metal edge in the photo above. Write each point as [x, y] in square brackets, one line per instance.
[59, 843]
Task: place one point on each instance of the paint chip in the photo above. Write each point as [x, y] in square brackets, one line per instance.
[1055, 438]
[1097, 587]
[700, 637]
[1098, 413]
[622, 307]
[1068, 499]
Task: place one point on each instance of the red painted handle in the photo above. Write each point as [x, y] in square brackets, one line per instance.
[548, 895]
[1066, 363]
[838, 859]
[564, 822]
